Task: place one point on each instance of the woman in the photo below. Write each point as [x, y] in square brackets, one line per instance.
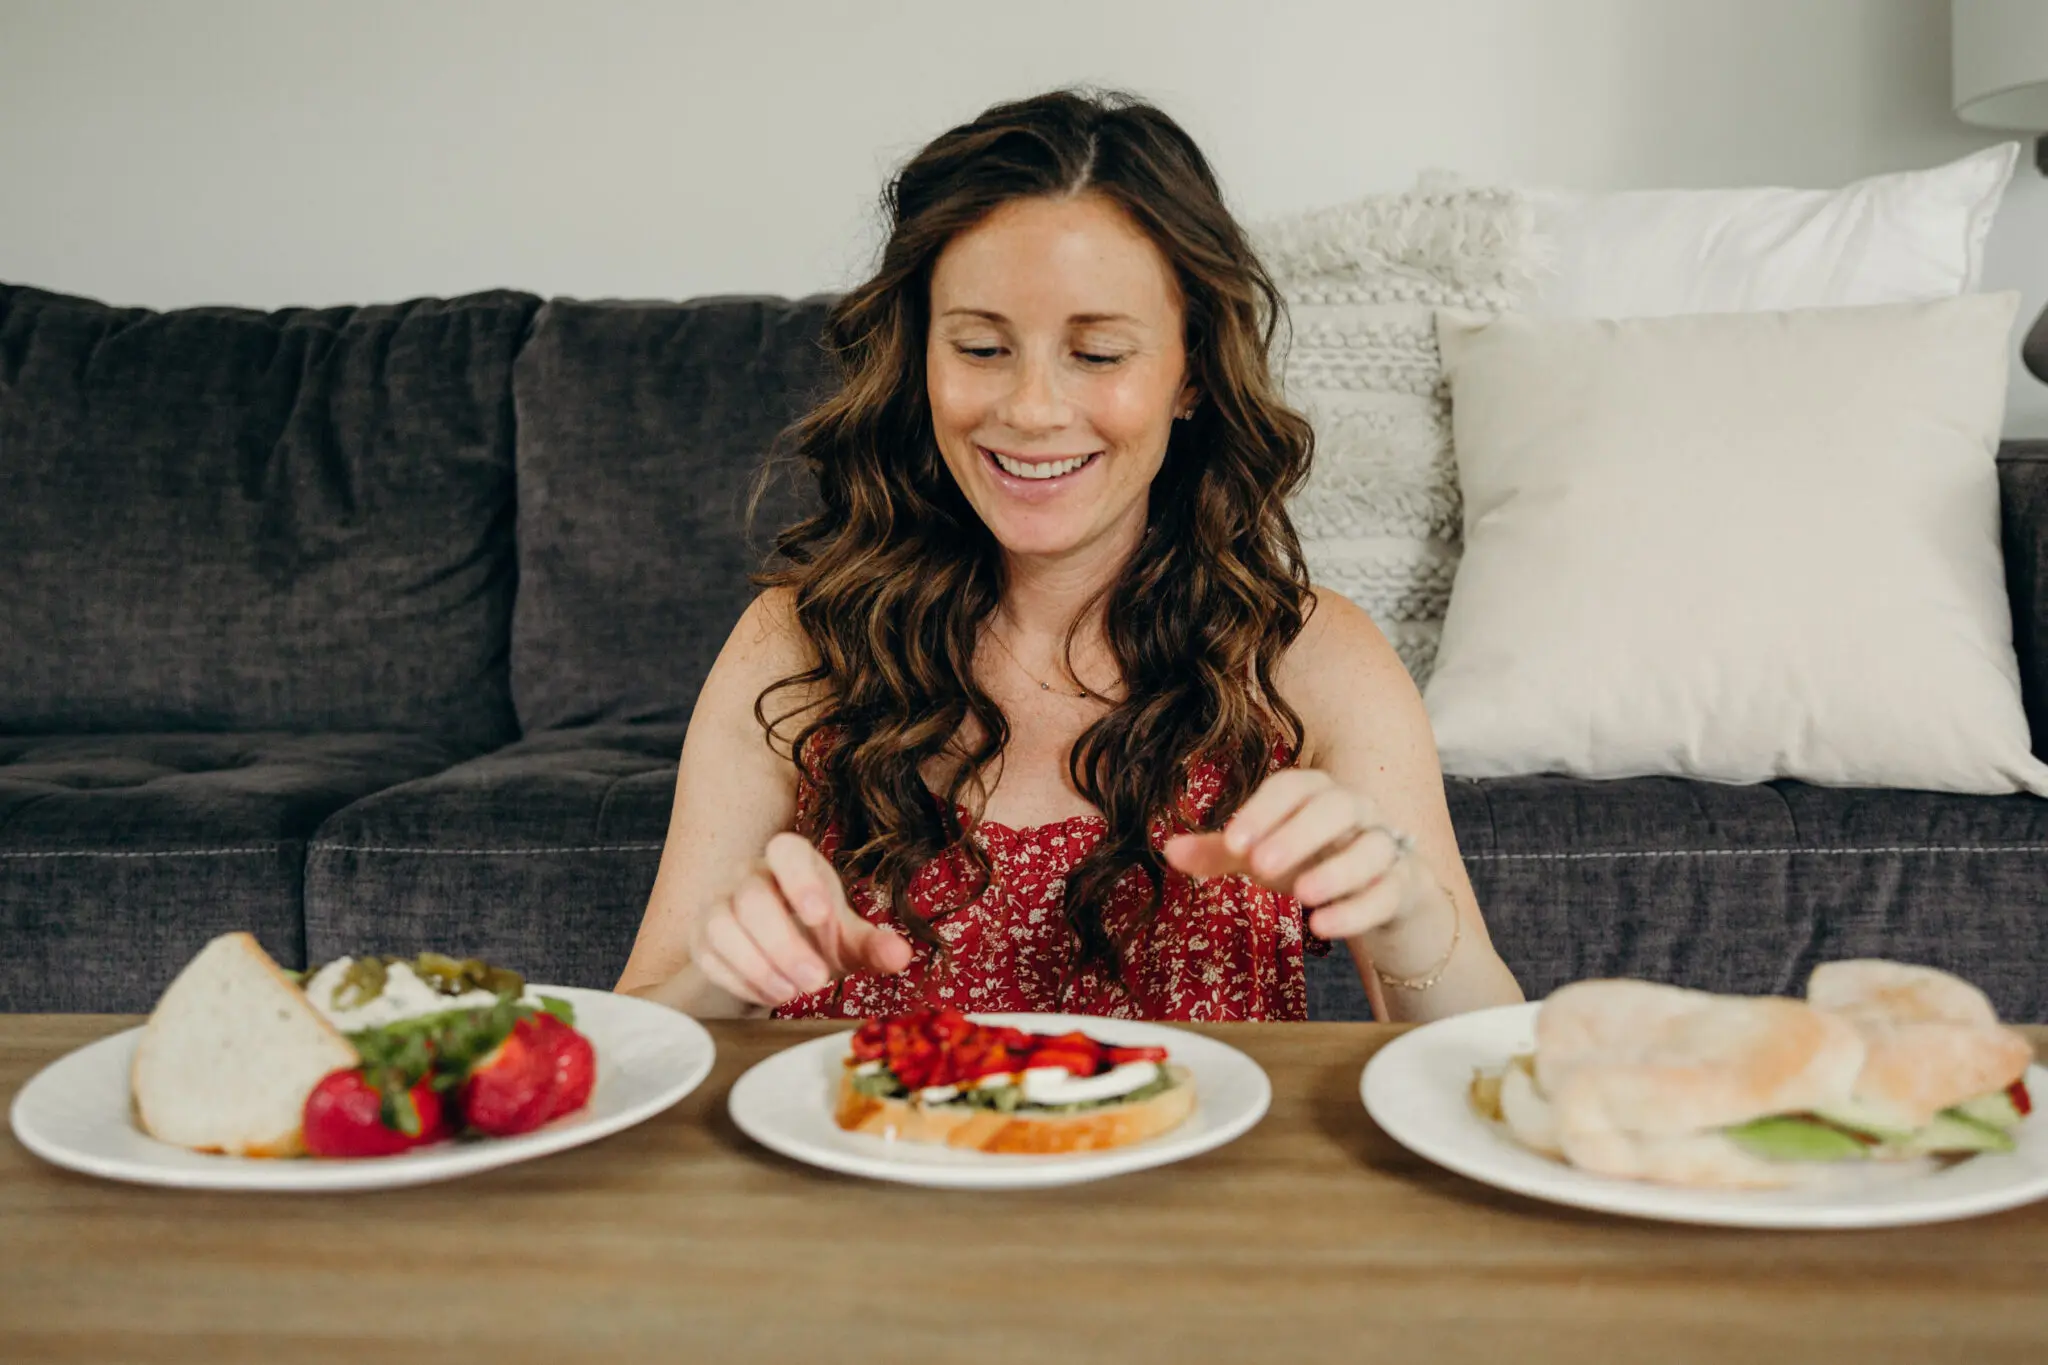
[1042, 713]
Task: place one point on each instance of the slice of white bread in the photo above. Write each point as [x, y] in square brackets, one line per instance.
[230, 1054]
[1933, 1040]
[1018, 1133]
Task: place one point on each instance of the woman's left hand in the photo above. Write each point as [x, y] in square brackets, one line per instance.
[1305, 836]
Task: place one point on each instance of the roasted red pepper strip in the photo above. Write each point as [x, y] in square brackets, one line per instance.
[944, 1047]
[2021, 1100]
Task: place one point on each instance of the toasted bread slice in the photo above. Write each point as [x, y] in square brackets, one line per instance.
[1021, 1132]
[1933, 1039]
[230, 1054]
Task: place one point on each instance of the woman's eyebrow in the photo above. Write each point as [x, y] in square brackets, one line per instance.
[1083, 319]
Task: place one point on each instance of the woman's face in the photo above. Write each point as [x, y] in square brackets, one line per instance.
[1055, 366]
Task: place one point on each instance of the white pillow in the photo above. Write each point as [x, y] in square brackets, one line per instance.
[1378, 516]
[1889, 239]
[1733, 546]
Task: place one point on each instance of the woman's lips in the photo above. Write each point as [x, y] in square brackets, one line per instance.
[1036, 489]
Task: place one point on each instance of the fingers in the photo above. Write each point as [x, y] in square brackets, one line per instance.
[1323, 821]
[728, 944]
[1348, 871]
[1202, 855]
[1278, 797]
[878, 949]
[845, 942]
[1360, 913]
[1228, 853]
[764, 914]
[805, 878]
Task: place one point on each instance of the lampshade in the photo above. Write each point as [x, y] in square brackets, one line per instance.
[2001, 63]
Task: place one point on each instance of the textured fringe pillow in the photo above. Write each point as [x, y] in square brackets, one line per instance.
[1379, 516]
[1734, 547]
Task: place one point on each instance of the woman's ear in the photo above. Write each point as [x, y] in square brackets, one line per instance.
[1184, 407]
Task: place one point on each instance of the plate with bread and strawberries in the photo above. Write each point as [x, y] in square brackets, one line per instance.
[365, 1072]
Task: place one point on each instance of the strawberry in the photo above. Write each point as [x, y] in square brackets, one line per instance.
[347, 1115]
[574, 1064]
[510, 1088]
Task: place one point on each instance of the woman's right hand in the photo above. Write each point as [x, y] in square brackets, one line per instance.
[788, 931]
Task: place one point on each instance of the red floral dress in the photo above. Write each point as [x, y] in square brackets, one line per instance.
[1225, 948]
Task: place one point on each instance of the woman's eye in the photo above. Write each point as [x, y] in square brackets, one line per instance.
[980, 352]
[1089, 358]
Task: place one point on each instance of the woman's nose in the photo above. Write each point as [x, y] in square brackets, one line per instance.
[1036, 403]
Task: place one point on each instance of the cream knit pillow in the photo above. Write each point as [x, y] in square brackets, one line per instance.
[1379, 515]
[1736, 547]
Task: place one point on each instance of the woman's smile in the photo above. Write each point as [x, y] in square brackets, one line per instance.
[1035, 478]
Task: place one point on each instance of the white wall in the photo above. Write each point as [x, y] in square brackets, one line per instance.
[268, 152]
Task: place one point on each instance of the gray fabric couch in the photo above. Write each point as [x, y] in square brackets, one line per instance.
[377, 628]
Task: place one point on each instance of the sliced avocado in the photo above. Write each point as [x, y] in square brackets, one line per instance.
[1859, 1118]
[1996, 1109]
[1786, 1138]
[1951, 1132]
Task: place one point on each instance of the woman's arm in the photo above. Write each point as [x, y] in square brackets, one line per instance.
[1326, 830]
[1368, 732]
[734, 792]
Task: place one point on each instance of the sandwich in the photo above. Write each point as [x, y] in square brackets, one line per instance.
[935, 1076]
[369, 1056]
[1883, 1066]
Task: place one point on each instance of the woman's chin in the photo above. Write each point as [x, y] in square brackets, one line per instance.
[1038, 544]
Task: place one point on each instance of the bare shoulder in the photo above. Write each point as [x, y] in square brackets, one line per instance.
[768, 634]
[1342, 675]
[767, 645]
[1340, 649]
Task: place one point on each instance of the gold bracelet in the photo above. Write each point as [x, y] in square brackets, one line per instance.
[1436, 974]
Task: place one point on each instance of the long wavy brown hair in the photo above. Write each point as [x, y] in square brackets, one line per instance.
[895, 575]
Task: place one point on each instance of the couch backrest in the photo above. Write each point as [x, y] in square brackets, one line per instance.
[219, 519]
[2023, 505]
[642, 428]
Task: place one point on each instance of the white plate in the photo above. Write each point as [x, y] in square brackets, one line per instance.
[1416, 1089]
[75, 1112]
[785, 1103]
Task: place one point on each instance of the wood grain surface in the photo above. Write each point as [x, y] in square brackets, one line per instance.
[1312, 1238]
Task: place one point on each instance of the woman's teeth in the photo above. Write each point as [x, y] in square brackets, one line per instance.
[1037, 469]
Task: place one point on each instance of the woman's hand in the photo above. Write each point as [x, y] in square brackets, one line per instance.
[1303, 835]
[788, 931]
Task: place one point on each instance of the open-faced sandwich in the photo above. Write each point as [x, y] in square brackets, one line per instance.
[1881, 1063]
[936, 1076]
[367, 1056]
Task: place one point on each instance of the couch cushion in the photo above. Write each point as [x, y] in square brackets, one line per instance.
[120, 855]
[642, 428]
[539, 857]
[219, 519]
[1746, 888]
[2023, 503]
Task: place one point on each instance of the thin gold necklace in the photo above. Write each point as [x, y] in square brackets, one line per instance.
[1043, 685]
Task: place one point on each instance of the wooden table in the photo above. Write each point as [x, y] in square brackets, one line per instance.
[1313, 1237]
